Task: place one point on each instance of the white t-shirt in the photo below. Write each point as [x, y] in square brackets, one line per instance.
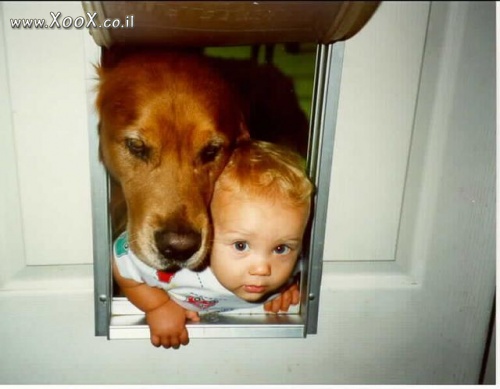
[195, 291]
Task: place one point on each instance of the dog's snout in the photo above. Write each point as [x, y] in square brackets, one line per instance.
[178, 245]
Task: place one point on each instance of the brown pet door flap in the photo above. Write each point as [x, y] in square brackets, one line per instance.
[225, 23]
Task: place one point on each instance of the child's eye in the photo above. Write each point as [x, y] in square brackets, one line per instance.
[240, 246]
[282, 249]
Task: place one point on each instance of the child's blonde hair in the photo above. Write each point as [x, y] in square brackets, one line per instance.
[267, 170]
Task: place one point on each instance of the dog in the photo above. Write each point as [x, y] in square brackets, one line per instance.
[168, 122]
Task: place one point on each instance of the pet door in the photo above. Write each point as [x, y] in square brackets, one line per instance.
[222, 27]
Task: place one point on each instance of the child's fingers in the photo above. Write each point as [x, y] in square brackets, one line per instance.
[173, 342]
[163, 341]
[155, 341]
[295, 296]
[273, 306]
[286, 299]
[284, 302]
[268, 307]
[184, 337]
[192, 315]
[168, 341]
[290, 296]
[277, 304]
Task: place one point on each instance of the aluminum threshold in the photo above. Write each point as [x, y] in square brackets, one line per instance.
[217, 326]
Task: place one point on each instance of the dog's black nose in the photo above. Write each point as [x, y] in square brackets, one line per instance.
[178, 245]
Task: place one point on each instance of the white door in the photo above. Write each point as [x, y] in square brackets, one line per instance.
[409, 271]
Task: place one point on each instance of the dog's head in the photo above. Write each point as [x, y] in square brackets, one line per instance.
[168, 124]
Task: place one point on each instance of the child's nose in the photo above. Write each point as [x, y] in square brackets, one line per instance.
[260, 268]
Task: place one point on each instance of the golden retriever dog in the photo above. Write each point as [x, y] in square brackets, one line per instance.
[168, 122]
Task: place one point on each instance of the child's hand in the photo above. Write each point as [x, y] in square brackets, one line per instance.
[167, 325]
[289, 296]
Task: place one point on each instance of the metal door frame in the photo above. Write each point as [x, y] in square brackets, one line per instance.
[326, 91]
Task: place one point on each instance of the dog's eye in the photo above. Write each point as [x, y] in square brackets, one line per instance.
[137, 148]
[210, 152]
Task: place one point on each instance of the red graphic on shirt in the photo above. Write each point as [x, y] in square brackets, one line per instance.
[201, 302]
[165, 276]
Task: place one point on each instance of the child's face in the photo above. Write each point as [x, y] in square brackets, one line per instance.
[256, 243]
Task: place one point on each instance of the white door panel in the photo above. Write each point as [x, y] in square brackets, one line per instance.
[11, 233]
[372, 142]
[46, 75]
